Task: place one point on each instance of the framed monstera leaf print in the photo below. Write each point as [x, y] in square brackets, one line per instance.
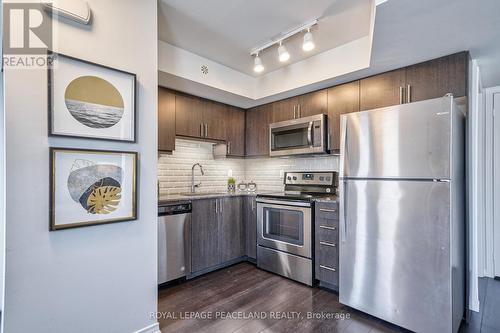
[90, 187]
[89, 100]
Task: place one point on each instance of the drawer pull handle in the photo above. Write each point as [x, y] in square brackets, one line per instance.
[328, 268]
[327, 210]
[328, 244]
[327, 227]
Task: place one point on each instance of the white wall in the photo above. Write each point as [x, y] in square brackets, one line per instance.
[92, 279]
[174, 171]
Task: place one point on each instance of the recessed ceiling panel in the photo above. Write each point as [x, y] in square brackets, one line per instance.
[225, 31]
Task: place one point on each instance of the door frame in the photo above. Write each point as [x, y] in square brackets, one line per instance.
[492, 217]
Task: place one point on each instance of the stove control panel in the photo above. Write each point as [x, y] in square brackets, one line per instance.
[320, 178]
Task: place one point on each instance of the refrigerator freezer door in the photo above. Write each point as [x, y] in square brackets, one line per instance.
[395, 252]
[410, 141]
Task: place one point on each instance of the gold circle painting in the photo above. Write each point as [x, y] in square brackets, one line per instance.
[94, 102]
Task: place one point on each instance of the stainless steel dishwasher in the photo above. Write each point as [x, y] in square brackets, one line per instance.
[174, 241]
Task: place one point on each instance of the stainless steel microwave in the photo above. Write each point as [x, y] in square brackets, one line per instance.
[301, 136]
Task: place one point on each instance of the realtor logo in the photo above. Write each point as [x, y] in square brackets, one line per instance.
[27, 31]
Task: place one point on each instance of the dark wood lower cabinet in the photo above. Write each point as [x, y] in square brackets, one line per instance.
[204, 235]
[326, 266]
[231, 229]
[218, 234]
[250, 222]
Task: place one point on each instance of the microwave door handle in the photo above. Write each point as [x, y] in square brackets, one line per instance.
[309, 134]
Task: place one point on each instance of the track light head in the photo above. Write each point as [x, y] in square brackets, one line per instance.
[308, 44]
[258, 67]
[283, 53]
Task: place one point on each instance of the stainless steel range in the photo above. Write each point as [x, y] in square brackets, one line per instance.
[285, 224]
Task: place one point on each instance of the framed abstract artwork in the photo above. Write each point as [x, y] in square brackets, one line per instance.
[88, 100]
[90, 187]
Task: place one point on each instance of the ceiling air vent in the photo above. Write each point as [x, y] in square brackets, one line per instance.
[204, 69]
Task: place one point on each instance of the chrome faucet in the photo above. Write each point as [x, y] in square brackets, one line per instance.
[193, 185]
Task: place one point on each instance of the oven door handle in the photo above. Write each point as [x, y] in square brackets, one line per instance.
[309, 134]
[284, 202]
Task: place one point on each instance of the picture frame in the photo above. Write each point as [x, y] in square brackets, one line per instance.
[90, 101]
[91, 187]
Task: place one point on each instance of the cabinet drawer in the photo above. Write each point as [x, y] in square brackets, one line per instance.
[327, 233]
[327, 211]
[331, 224]
[326, 265]
[327, 253]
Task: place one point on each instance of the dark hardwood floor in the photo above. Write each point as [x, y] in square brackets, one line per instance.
[217, 302]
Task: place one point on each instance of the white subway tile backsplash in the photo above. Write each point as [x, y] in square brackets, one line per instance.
[174, 171]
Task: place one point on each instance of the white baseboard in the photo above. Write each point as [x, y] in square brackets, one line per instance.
[473, 305]
[153, 328]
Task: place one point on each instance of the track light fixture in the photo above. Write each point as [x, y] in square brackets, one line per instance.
[258, 67]
[308, 44]
[283, 53]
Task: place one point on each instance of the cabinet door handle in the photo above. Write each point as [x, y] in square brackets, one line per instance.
[401, 95]
[295, 112]
[201, 129]
[328, 244]
[328, 268]
[408, 93]
[206, 130]
[327, 227]
[326, 210]
[229, 147]
[299, 111]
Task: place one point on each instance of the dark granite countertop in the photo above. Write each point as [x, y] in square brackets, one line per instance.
[167, 199]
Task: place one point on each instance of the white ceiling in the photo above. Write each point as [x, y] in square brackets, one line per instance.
[225, 31]
[408, 31]
[405, 32]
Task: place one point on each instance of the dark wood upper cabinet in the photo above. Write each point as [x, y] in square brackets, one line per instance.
[188, 115]
[312, 103]
[166, 120]
[382, 90]
[436, 78]
[214, 120]
[342, 99]
[235, 132]
[257, 130]
[284, 110]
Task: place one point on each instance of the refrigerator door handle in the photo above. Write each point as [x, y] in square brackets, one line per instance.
[343, 145]
[342, 210]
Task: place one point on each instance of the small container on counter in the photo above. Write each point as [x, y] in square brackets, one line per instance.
[252, 187]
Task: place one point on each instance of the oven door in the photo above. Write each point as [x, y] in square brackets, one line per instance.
[298, 136]
[285, 226]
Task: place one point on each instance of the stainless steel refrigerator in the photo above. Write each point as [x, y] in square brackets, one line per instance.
[402, 218]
